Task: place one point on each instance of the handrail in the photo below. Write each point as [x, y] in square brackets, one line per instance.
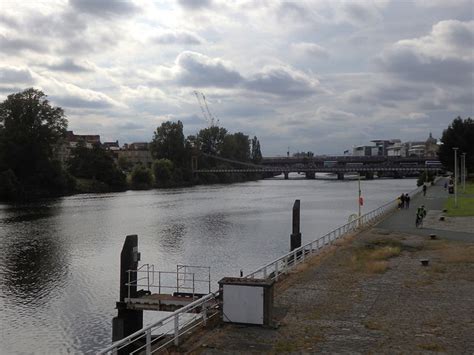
[138, 334]
[292, 258]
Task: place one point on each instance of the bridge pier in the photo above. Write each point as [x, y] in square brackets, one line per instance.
[340, 176]
[286, 173]
[127, 321]
[310, 175]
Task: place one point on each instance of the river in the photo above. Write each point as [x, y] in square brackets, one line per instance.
[59, 258]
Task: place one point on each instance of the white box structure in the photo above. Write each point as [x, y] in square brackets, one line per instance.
[247, 301]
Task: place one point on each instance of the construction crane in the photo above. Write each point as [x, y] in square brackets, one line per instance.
[208, 116]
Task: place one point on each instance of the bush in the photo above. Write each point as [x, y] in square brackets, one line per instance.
[142, 178]
[163, 170]
[10, 189]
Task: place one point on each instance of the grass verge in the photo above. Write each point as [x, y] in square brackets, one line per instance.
[373, 257]
[465, 207]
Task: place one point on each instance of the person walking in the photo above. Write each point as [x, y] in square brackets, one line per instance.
[407, 201]
[402, 199]
[420, 214]
[424, 189]
[399, 202]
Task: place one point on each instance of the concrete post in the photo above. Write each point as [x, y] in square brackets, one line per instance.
[127, 321]
[286, 173]
[295, 237]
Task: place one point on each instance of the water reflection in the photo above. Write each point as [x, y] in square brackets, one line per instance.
[34, 266]
[171, 237]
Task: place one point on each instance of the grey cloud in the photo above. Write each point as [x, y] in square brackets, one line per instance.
[131, 125]
[282, 81]
[195, 4]
[70, 66]
[360, 12]
[199, 70]
[311, 49]
[178, 37]
[9, 21]
[13, 75]
[414, 67]
[17, 45]
[105, 8]
[78, 102]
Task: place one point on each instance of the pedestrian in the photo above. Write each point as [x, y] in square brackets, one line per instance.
[424, 189]
[407, 201]
[402, 199]
[445, 185]
[420, 215]
[399, 202]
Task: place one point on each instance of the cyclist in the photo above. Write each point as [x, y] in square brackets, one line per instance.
[420, 214]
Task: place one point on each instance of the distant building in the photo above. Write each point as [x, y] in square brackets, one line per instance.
[431, 147]
[136, 153]
[383, 145]
[111, 145]
[365, 151]
[63, 150]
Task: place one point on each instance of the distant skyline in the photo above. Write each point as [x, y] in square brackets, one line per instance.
[310, 75]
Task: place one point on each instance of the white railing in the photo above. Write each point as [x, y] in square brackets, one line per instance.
[189, 279]
[288, 261]
[157, 336]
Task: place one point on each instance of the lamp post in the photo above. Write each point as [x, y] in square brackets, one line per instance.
[455, 177]
[464, 172]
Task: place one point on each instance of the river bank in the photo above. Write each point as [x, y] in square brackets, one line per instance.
[369, 294]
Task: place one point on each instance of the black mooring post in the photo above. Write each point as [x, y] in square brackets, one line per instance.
[295, 237]
[127, 321]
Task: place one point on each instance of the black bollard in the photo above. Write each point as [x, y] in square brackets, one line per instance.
[127, 321]
[295, 237]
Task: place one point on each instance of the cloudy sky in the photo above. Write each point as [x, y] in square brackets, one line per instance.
[312, 75]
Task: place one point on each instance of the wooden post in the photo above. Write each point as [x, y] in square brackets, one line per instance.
[127, 321]
[295, 237]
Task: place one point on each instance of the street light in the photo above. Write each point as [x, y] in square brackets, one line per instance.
[455, 177]
[464, 172]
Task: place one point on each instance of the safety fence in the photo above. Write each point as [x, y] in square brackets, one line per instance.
[288, 261]
[168, 330]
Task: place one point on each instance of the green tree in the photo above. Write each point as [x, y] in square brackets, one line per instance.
[30, 128]
[236, 147]
[97, 164]
[163, 171]
[256, 153]
[168, 143]
[211, 140]
[460, 134]
[141, 177]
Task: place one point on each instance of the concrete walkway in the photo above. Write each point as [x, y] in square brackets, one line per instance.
[338, 303]
[404, 220]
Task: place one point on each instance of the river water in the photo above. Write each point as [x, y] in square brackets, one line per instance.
[59, 259]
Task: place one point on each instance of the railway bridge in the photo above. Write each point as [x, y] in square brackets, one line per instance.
[367, 166]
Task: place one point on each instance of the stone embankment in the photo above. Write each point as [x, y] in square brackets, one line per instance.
[370, 293]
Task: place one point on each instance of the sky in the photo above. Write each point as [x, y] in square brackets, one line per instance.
[318, 76]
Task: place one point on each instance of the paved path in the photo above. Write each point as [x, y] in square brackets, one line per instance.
[404, 220]
[334, 304]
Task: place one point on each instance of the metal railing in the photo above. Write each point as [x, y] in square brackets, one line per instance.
[190, 279]
[288, 261]
[159, 335]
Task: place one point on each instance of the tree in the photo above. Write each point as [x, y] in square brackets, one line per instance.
[211, 139]
[236, 146]
[163, 171]
[30, 128]
[96, 164]
[460, 134]
[256, 153]
[141, 177]
[168, 143]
